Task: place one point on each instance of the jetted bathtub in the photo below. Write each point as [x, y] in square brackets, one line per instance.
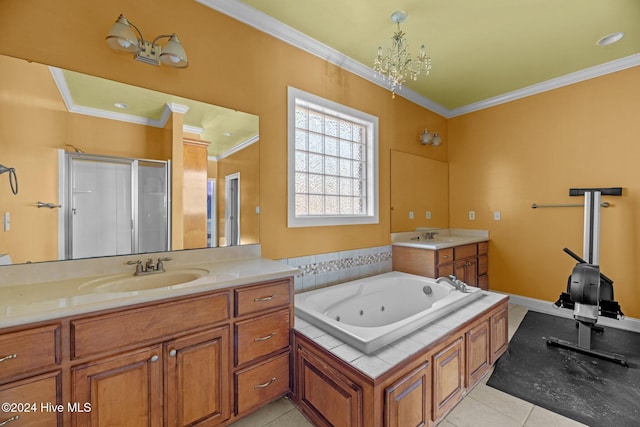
[374, 311]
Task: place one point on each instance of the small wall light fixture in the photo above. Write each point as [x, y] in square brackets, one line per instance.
[123, 39]
[427, 138]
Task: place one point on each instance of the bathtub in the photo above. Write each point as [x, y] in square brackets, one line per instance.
[372, 312]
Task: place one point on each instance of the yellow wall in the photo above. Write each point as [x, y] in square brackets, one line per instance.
[251, 74]
[532, 151]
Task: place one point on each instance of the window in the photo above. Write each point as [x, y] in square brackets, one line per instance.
[333, 163]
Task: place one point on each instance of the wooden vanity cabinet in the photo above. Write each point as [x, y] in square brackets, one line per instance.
[469, 263]
[31, 375]
[408, 400]
[448, 377]
[167, 362]
[262, 334]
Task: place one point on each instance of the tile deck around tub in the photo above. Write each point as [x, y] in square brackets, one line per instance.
[385, 358]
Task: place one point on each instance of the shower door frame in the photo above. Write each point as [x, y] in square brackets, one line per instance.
[65, 194]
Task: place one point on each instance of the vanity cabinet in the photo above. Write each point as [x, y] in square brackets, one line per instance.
[31, 375]
[262, 345]
[469, 263]
[206, 359]
[499, 323]
[478, 345]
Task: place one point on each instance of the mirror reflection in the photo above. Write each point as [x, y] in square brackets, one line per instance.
[419, 192]
[117, 169]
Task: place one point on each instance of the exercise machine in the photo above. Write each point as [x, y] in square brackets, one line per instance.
[589, 292]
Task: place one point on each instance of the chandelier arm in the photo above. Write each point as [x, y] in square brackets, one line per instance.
[162, 36]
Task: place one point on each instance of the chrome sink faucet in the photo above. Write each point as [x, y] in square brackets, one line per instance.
[149, 267]
[453, 281]
[430, 235]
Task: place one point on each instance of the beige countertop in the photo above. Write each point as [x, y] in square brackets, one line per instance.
[444, 238]
[44, 300]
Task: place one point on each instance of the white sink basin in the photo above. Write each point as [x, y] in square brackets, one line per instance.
[130, 283]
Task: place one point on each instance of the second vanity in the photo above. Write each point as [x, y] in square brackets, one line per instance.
[444, 252]
[206, 353]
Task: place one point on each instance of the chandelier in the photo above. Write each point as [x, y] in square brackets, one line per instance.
[397, 65]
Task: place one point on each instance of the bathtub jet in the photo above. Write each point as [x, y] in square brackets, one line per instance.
[372, 312]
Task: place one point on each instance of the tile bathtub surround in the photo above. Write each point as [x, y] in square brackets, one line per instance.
[378, 362]
[318, 271]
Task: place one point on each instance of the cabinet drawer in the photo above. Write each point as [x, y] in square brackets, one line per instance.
[465, 251]
[445, 270]
[483, 248]
[29, 349]
[34, 393]
[263, 297]
[261, 336]
[445, 256]
[262, 383]
[110, 331]
[483, 264]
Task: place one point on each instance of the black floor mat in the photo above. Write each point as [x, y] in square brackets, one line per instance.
[590, 390]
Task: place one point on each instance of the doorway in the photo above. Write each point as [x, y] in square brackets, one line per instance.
[232, 209]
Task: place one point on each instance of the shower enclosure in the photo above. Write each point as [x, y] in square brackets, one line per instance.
[113, 206]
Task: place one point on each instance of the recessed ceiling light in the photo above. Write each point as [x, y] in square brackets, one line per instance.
[228, 134]
[120, 105]
[610, 38]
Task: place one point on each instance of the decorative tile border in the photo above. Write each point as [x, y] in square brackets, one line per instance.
[317, 271]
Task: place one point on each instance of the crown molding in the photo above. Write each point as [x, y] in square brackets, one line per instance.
[63, 88]
[236, 148]
[558, 82]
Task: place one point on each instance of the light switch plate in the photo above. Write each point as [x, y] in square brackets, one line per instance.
[428, 215]
[410, 214]
[496, 215]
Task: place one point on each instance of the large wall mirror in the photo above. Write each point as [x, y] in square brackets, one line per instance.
[191, 169]
[419, 192]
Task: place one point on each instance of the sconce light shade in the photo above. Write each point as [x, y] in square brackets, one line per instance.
[122, 38]
[436, 139]
[173, 54]
[426, 137]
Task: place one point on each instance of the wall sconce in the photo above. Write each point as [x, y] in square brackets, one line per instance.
[427, 138]
[123, 39]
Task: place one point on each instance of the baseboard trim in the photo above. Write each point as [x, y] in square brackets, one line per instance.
[628, 323]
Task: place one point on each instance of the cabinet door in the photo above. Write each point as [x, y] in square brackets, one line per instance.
[477, 345]
[197, 373]
[36, 392]
[472, 272]
[407, 402]
[448, 378]
[124, 390]
[327, 396]
[499, 333]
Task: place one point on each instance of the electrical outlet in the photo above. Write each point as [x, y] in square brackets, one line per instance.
[428, 215]
[410, 214]
[472, 215]
[496, 215]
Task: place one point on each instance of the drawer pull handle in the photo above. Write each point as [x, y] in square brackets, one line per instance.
[268, 337]
[154, 358]
[14, 418]
[267, 384]
[11, 356]
[445, 256]
[264, 298]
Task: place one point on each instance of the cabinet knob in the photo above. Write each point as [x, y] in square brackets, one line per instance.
[8, 420]
[10, 356]
[173, 353]
[267, 384]
[154, 358]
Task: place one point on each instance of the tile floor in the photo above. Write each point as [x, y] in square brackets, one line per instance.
[482, 407]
